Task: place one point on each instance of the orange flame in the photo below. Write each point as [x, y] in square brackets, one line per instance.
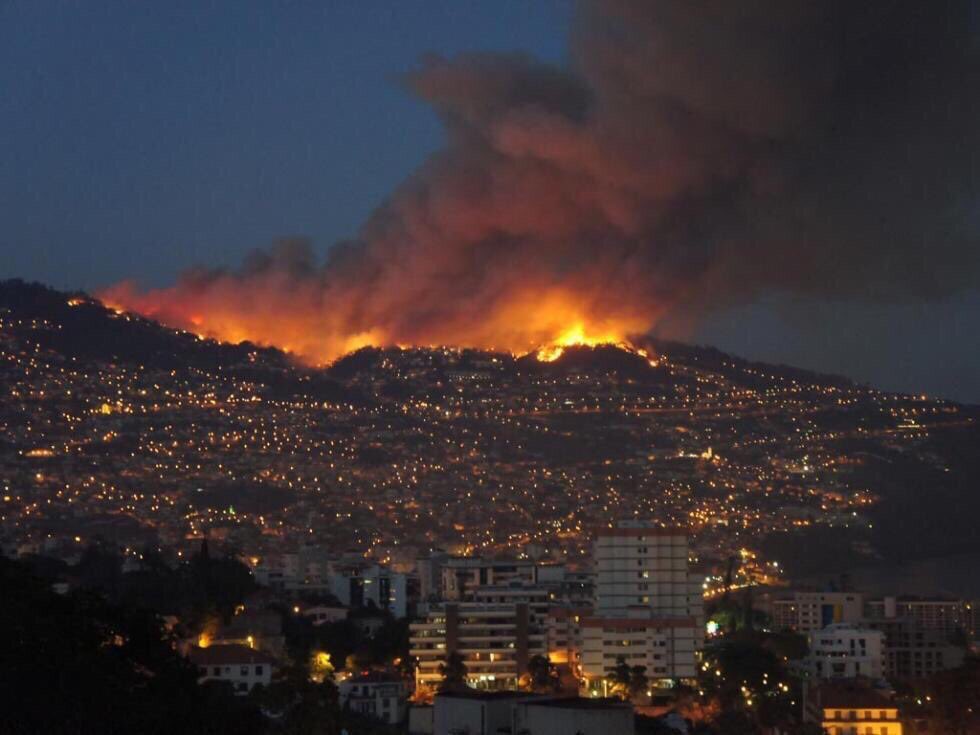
[543, 322]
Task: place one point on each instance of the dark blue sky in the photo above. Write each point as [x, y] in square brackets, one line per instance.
[137, 139]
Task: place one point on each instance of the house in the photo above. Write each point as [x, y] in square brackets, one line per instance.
[241, 666]
[379, 695]
[852, 709]
[320, 614]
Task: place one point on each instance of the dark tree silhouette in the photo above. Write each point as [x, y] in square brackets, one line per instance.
[80, 664]
[543, 675]
[453, 672]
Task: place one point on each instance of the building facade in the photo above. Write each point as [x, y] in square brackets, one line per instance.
[806, 612]
[495, 641]
[852, 710]
[375, 695]
[844, 651]
[648, 608]
[945, 615]
[241, 666]
[914, 652]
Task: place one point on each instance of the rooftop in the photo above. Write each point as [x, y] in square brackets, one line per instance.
[229, 655]
[852, 696]
[582, 703]
[468, 693]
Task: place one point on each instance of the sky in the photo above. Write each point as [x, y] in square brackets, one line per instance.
[139, 139]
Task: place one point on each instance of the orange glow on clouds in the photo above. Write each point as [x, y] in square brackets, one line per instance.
[526, 321]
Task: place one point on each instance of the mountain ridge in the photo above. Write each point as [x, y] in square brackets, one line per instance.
[111, 421]
[132, 340]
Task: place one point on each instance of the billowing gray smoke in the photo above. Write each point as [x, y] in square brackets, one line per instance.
[696, 155]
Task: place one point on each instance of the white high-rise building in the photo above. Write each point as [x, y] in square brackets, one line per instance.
[644, 569]
[648, 606]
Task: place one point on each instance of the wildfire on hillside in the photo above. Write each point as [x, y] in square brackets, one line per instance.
[544, 326]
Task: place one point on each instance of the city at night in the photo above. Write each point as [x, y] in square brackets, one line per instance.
[512, 367]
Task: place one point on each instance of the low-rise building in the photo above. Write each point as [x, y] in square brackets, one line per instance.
[852, 710]
[377, 695]
[320, 614]
[491, 713]
[844, 651]
[241, 666]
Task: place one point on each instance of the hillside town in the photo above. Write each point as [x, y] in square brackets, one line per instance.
[397, 452]
[624, 641]
[435, 540]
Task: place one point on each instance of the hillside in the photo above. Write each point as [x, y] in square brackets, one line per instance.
[114, 425]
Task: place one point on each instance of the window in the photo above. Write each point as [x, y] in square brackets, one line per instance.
[243, 671]
[216, 671]
[258, 670]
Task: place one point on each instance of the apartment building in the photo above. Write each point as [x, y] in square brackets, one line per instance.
[461, 576]
[648, 607]
[914, 652]
[357, 585]
[495, 640]
[938, 614]
[845, 651]
[806, 612]
[667, 647]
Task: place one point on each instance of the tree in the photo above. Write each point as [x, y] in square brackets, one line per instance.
[736, 722]
[620, 677]
[543, 675]
[629, 682]
[111, 665]
[303, 706]
[453, 672]
[639, 683]
[955, 700]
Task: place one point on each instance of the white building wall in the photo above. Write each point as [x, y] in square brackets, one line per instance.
[846, 651]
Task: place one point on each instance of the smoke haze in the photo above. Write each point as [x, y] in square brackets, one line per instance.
[694, 156]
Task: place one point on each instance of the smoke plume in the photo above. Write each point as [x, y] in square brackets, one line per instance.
[692, 156]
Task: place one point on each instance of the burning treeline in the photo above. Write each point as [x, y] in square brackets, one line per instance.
[692, 156]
